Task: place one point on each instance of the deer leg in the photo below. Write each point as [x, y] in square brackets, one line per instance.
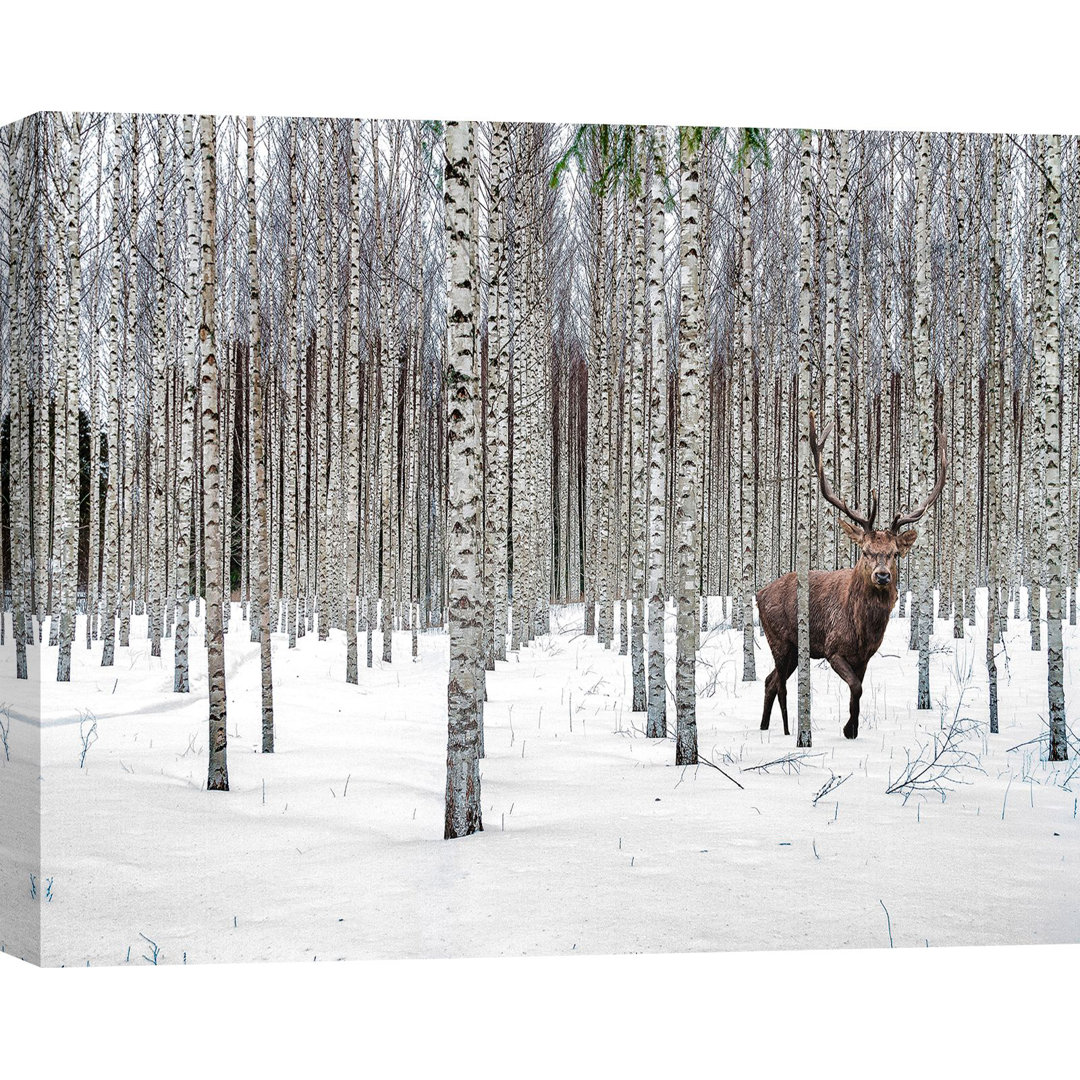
[770, 697]
[854, 680]
[783, 673]
[859, 671]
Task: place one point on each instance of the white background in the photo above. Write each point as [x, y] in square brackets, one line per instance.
[978, 1012]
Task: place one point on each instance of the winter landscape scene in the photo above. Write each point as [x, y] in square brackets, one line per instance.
[429, 539]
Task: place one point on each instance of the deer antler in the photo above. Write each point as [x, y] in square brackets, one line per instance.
[826, 489]
[914, 515]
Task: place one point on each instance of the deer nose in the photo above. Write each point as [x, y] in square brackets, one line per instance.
[882, 577]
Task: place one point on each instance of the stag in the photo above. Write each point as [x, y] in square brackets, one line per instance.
[849, 609]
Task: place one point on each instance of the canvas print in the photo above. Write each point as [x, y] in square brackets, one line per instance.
[457, 539]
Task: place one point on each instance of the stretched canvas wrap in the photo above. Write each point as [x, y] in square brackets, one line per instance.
[409, 532]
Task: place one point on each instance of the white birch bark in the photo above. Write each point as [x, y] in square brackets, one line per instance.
[658, 360]
[519, 375]
[155, 502]
[322, 369]
[40, 395]
[352, 405]
[464, 703]
[291, 407]
[962, 493]
[189, 352]
[1055, 521]
[127, 524]
[746, 381]
[609, 456]
[1035, 420]
[386, 412]
[689, 447]
[827, 521]
[261, 547]
[112, 437]
[412, 456]
[923, 596]
[93, 551]
[20, 197]
[845, 464]
[217, 773]
[68, 501]
[498, 379]
[594, 412]
[1071, 394]
[330, 541]
[993, 443]
[804, 483]
[638, 495]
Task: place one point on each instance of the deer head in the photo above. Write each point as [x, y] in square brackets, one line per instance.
[880, 547]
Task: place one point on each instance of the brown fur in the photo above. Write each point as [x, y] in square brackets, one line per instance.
[849, 612]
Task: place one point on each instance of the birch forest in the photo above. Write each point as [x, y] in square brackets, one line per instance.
[419, 385]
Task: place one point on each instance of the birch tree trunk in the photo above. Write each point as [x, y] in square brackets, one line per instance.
[21, 566]
[464, 703]
[846, 425]
[322, 368]
[110, 509]
[218, 773]
[803, 509]
[68, 500]
[499, 374]
[330, 542]
[412, 446]
[605, 623]
[352, 406]
[657, 720]
[188, 353]
[155, 501]
[638, 496]
[1033, 424]
[20, 195]
[993, 442]
[1055, 521]
[93, 552]
[386, 413]
[689, 448]
[40, 395]
[262, 532]
[127, 524]
[594, 409]
[1071, 396]
[961, 493]
[923, 606]
[746, 369]
[519, 478]
[294, 416]
[1005, 534]
[8, 393]
[827, 522]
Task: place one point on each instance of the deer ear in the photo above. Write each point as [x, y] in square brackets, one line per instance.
[905, 540]
[854, 532]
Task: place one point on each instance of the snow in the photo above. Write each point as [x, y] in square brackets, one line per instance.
[593, 841]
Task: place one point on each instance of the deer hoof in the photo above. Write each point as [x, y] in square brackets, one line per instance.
[851, 731]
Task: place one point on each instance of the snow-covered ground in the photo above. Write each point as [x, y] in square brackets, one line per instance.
[593, 841]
